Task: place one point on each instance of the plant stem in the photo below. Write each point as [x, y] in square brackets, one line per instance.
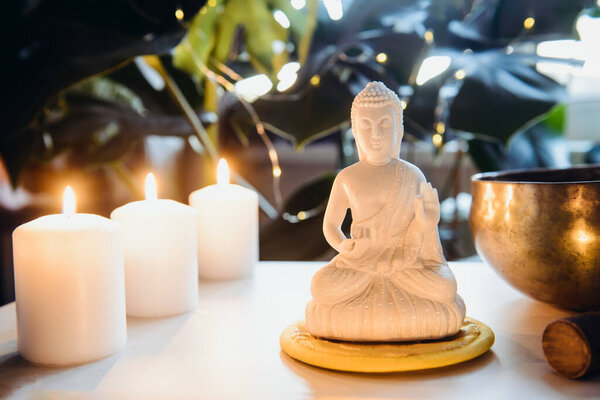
[211, 103]
[187, 109]
[311, 23]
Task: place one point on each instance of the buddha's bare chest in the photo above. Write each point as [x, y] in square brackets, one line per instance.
[368, 191]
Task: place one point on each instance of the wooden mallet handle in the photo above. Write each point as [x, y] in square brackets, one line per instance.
[572, 345]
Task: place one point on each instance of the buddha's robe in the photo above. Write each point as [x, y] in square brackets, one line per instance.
[400, 289]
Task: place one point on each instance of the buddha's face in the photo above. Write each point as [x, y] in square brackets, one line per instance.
[376, 132]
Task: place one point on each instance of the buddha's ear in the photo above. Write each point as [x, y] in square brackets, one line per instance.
[399, 134]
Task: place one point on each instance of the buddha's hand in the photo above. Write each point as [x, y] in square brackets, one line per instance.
[354, 248]
[427, 207]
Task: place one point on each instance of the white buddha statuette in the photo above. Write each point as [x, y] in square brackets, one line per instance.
[390, 281]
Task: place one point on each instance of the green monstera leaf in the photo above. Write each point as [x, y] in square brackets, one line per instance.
[500, 94]
[214, 32]
[104, 88]
[194, 50]
[496, 23]
[97, 121]
[260, 32]
[301, 24]
[539, 143]
[311, 114]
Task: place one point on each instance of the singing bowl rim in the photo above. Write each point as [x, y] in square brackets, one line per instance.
[532, 176]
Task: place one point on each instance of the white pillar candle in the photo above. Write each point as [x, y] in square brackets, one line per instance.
[70, 293]
[227, 228]
[159, 238]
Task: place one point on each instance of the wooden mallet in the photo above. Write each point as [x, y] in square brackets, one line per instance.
[572, 345]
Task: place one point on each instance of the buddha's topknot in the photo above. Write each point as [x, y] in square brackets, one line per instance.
[374, 94]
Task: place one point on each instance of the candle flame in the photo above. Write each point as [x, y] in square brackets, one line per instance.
[222, 172]
[151, 192]
[68, 201]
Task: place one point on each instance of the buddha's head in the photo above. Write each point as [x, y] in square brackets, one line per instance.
[377, 124]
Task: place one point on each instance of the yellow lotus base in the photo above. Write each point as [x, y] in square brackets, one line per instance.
[473, 339]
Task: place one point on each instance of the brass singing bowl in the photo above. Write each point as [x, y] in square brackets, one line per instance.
[540, 230]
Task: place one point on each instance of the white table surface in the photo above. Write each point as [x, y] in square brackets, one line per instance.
[228, 348]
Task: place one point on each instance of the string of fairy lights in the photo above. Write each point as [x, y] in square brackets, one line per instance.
[258, 86]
